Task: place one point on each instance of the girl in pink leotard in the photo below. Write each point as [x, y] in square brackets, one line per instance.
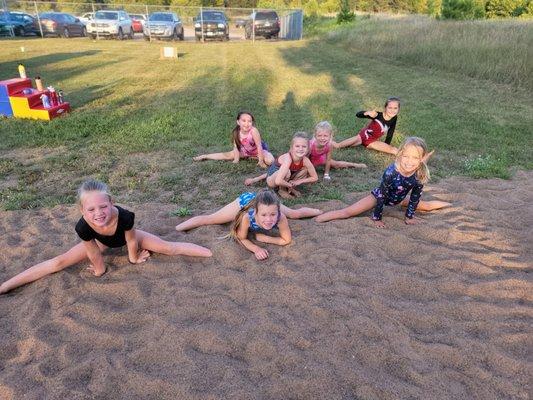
[321, 148]
[247, 143]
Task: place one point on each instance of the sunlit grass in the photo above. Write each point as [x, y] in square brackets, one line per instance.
[138, 121]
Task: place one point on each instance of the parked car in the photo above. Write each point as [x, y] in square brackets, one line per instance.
[61, 24]
[110, 23]
[138, 21]
[213, 24]
[265, 22]
[163, 25]
[21, 23]
[86, 18]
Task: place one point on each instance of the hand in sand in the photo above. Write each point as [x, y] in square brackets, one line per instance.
[413, 221]
[379, 224]
[261, 254]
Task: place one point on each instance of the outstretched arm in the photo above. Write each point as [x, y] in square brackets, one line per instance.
[327, 167]
[257, 140]
[416, 192]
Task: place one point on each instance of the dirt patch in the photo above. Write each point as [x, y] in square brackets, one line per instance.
[441, 310]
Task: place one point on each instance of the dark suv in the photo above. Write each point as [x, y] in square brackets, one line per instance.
[214, 25]
[265, 23]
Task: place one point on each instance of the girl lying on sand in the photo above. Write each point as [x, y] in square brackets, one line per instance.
[258, 213]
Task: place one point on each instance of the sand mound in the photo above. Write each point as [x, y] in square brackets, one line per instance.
[435, 311]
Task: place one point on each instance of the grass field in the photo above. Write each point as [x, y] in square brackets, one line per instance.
[138, 121]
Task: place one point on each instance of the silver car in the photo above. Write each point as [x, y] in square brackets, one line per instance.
[111, 23]
[163, 25]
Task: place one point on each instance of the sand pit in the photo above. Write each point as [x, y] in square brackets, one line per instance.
[435, 311]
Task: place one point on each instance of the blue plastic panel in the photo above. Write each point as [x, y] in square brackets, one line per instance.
[3, 93]
[5, 109]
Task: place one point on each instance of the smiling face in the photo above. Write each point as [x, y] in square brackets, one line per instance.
[410, 160]
[323, 137]
[245, 122]
[96, 208]
[392, 109]
[299, 148]
[266, 216]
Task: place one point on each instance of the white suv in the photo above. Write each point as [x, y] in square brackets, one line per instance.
[111, 23]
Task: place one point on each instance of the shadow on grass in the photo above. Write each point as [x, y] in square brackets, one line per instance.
[9, 69]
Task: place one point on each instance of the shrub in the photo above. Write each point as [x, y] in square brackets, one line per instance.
[504, 8]
[345, 14]
[462, 9]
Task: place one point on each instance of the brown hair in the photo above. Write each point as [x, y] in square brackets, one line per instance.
[237, 129]
[391, 99]
[422, 173]
[265, 197]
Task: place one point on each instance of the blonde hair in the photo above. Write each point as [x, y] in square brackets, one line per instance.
[265, 197]
[92, 186]
[422, 173]
[324, 126]
[300, 135]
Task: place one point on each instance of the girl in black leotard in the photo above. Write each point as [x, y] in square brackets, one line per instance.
[103, 225]
[382, 123]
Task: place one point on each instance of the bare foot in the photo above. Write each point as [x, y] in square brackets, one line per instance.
[295, 192]
[95, 272]
[198, 158]
[284, 194]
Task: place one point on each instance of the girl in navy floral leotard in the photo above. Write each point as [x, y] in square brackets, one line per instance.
[407, 175]
[256, 213]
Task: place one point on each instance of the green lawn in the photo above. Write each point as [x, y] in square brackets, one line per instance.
[137, 121]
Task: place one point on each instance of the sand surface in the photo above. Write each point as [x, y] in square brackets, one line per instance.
[441, 310]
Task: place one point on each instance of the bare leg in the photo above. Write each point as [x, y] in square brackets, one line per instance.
[346, 164]
[427, 205]
[383, 147]
[304, 212]
[271, 181]
[268, 157]
[73, 256]
[227, 156]
[251, 181]
[150, 242]
[222, 216]
[353, 141]
[365, 204]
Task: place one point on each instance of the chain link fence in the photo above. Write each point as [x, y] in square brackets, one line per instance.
[241, 23]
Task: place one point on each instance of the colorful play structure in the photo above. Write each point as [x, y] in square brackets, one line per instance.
[19, 99]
